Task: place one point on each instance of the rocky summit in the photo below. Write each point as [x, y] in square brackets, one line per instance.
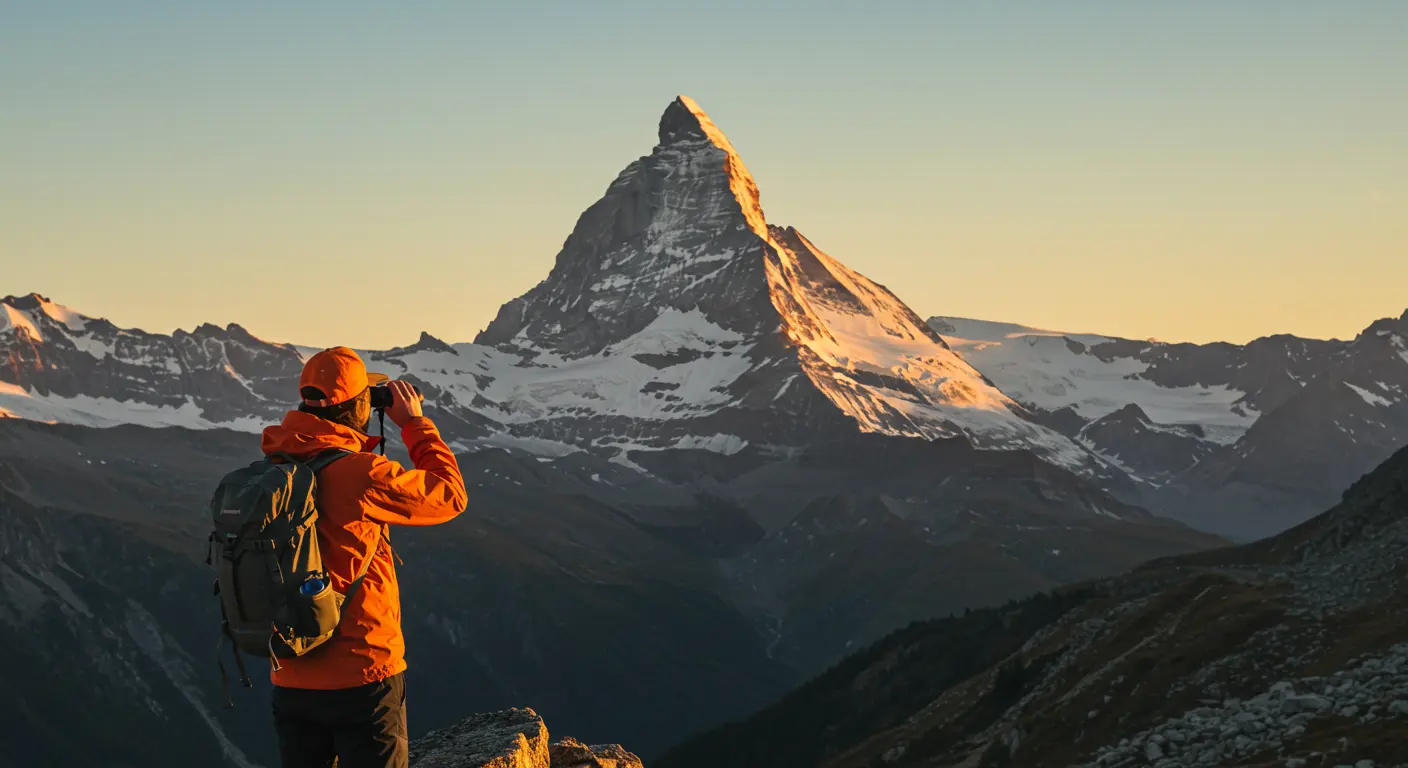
[513, 738]
[677, 317]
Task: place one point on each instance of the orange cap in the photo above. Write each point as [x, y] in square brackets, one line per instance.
[339, 374]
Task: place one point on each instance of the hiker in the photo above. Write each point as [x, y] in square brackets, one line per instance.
[343, 703]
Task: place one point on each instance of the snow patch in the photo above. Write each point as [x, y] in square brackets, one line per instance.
[107, 412]
[694, 380]
[727, 445]
[70, 319]
[13, 318]
[1042, 370]
[986, 330]
[537, 446]
[878, 363]
[98, 349]
[1369, 397]
[1402, 347]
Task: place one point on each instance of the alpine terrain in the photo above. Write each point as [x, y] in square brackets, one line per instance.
[1291, 651]
[705, 461]
[1243, 440]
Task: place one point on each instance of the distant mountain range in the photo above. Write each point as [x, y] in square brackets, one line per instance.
[1243, 440]
[705, 459]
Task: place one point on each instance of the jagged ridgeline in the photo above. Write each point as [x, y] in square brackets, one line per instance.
[1243, 440]
[675, 317]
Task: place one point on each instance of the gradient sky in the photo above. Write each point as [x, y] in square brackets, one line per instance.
[1183, 170]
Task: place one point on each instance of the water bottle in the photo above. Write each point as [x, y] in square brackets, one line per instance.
[313, 586]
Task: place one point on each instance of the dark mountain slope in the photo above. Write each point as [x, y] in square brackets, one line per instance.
[537, 596]
[1287, 648]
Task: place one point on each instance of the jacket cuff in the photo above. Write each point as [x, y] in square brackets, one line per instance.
[418, 429]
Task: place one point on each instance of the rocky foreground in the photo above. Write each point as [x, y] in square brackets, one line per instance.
[513, 738]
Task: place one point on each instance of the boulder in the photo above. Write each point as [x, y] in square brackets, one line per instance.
[513, 738]
[570, 753]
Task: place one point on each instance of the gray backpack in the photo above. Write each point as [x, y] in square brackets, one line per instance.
[276, 600]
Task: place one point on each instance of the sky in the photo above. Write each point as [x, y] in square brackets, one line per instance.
[355, 173]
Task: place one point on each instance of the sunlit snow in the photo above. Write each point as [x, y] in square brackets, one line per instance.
[1041, 368]
[107, 412]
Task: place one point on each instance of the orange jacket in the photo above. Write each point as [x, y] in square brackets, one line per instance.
[357, 496]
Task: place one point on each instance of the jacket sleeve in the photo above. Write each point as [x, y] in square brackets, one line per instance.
[431, 493]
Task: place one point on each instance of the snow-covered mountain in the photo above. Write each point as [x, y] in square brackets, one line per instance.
[681, 335]
[1222, 388]
[57, 365]
[1345, 419]
[1249, 439]
[1143, 447]
[677, 317]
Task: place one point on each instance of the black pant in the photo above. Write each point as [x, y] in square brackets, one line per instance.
[363, 727]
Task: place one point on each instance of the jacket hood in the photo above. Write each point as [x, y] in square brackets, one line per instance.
[303, 435]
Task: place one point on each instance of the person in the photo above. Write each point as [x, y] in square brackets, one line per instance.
[344, 703]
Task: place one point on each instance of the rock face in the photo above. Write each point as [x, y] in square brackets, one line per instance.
[1155, 452]
[570, 753]
[1346, 418]
[1288, 651]
[514, 738]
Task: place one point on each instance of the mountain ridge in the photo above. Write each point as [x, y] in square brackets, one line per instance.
[1243, 440]
[1274, 653]
[675, 317]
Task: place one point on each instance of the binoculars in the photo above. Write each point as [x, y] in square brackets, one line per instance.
[381, 396]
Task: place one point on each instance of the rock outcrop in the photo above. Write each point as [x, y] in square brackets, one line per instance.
[512, 738]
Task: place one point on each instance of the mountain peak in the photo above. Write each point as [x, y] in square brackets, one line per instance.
[34, 302]
[728, 322]
[29, 301]
[1131, 411]
[685, 120]
[685, 123]
[427, 343]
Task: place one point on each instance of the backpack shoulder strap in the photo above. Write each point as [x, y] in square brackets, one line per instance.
[327, 457]
[316, 464]
[366, 566]
[319, 460]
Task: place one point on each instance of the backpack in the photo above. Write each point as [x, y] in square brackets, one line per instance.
[276, 600]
